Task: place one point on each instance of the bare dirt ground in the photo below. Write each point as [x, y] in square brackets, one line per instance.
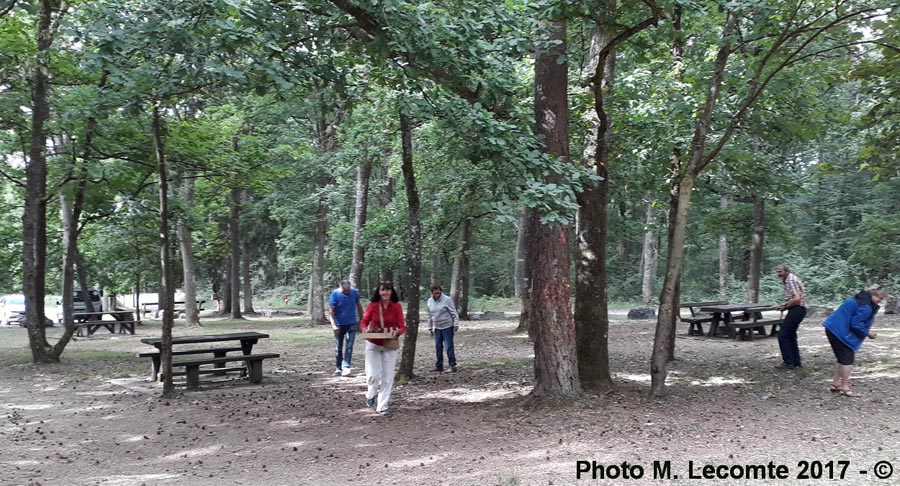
[95, 420]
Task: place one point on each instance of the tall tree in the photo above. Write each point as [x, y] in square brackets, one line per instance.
[555, 360]
[414, 251]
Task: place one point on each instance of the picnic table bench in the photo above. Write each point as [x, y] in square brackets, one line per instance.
[696, 319]
[751, 319]
[251, 363]
[148, 307]
[91, 322]
[754, 321]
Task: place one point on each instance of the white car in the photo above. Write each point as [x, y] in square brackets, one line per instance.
[78, 303]
[12, 311]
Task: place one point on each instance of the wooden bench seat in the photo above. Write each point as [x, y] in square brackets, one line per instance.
[252, 361]
[745, 328]
[216, 352]
[695, 323]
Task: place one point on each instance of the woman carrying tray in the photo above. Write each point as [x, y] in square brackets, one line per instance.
[384, 313]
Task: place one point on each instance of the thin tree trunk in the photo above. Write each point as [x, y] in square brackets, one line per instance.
[648, 255]
[462, 302]
[520, 255]
[166, 289]
[34, 218]
[186, 245]
[317, 277]
[723, 257]
[524, 316]
[70, 229]
[668, 303]
[363, 174]
[555, 359]
[756, 249]
[455, 272]
[414, 249]
[234, 227]
[246, 277]
[82, 270]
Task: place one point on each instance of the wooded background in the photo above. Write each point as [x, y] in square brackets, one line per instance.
[258, 149]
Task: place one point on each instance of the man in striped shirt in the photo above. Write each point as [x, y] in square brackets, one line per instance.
[795, 305]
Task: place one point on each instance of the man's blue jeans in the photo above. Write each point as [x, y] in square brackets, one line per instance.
[444, 338]
[787, 336]
[343, 351]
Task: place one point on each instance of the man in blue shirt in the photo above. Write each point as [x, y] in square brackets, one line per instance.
[344, 312]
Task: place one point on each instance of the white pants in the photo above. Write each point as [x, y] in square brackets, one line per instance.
[380, 365]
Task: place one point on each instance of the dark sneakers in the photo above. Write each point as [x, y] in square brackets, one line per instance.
[370, 402]
[436, 370]
[452, 369]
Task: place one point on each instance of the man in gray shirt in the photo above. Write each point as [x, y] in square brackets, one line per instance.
[443, 322]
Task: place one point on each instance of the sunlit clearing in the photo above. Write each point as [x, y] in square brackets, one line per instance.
[97, 393]
[634, 377]
[289, 423]
[719, 381]
[417, 462]
[463, 395]
[205, 451]
[30, 406]
[130, 480]
[136, 438]
[295, 444]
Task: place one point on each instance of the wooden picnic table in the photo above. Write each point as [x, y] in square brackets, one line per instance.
[91, 322]
[697, 319]
[724, 315]
[198, 357]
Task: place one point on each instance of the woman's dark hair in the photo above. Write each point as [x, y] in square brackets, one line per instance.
[436, 286]
[376, 297]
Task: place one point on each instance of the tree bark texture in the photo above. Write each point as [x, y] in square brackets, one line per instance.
[363, 174]
[555, 359]
[234, 274]
[166, 289]
[414, 252]
[591, 313]
[521, 235]
[756, 249]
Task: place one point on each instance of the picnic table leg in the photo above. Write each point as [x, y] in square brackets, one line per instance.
[219, 354]
[247, 346]
[728, 320]
[255, 368]
[154, 368]
[714, 325]
[193, 377]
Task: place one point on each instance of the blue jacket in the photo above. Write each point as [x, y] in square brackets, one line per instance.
[852, 320]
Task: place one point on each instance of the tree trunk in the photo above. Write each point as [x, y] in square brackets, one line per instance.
[69, 237]
[414, 252]
[521, 235]
[522, 240]
[248, 281]
[648, 256]
[317, 277]
[363, 174]
[234, 227]
[186, 244]
[34, 218]
[723, 257]
[465, 266]
[756, 249]
[555, 359]
[81, 267]
[459, 274]
[668, 303]
[166, 289]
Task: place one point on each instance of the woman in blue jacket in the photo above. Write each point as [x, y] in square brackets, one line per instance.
[846, 328]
